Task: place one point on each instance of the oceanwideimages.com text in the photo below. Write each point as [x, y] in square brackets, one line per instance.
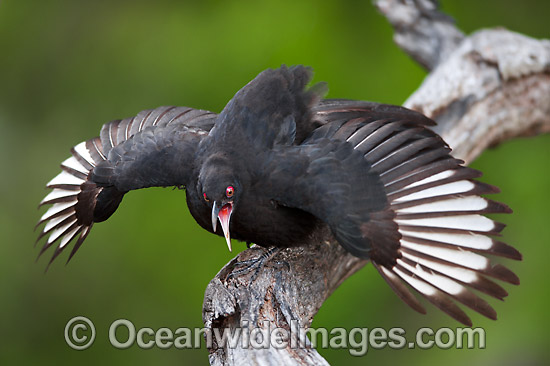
[80, 334]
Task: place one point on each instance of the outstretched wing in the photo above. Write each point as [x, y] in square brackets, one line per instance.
[390, 191]
[154, 148]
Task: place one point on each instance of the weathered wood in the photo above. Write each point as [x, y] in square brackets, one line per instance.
[289, 290]
[494, 87]
[484, 89]
[421, 30]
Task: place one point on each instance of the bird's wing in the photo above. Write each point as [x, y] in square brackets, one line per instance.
[154, 148]
[390, 191]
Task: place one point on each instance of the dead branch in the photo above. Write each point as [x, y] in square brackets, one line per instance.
[483, 89]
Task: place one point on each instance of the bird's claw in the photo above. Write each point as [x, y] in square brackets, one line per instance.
[255, 264]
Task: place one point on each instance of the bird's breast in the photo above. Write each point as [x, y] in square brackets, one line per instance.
[267, 223]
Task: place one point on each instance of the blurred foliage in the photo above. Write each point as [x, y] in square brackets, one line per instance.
[68, 66]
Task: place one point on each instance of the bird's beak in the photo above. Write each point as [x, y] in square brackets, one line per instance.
[222, 213]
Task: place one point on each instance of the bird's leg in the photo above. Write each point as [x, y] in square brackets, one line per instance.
[254, 264]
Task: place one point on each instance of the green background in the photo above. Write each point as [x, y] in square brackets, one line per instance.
[67, 67]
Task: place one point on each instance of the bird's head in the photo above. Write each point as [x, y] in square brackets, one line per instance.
[220, 189]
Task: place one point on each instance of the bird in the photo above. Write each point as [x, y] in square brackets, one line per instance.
[281, 162]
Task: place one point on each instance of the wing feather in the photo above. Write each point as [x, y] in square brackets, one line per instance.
[94, 179]
[432, 234]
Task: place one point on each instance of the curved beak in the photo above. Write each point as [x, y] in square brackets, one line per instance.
[223, 214]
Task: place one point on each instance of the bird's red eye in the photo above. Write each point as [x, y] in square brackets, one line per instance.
[229, 192]
[205, 197]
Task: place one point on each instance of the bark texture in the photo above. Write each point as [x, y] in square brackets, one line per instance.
[482, 90]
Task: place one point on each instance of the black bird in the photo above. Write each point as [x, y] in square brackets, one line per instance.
[279, 162]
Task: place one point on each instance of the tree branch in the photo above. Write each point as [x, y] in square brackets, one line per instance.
[421, 30]
[484, 89]
[494, 87]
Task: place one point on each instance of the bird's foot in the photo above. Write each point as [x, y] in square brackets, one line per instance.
[255, 264]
